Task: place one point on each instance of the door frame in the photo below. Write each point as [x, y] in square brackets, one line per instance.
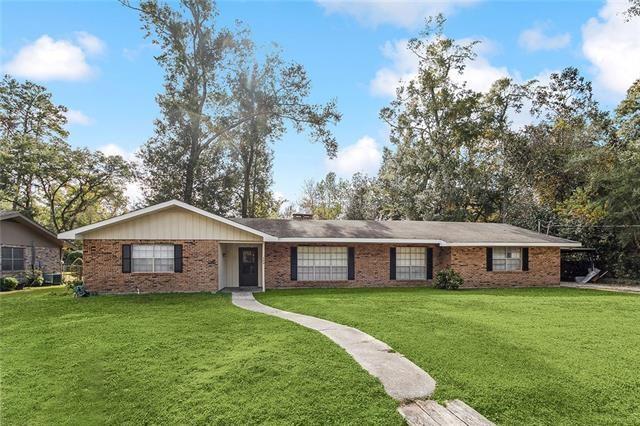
[257, 263]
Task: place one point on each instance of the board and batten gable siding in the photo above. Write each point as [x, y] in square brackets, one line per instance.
[171, 224]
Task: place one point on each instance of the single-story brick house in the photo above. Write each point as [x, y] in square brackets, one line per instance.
[173, 246]
[27, 246]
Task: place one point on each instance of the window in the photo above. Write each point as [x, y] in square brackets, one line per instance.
[507, 259]
[411, 263]
[152, 258]
[12, 259]
[322, 263]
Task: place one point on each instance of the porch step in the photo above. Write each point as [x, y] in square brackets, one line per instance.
[430, 413]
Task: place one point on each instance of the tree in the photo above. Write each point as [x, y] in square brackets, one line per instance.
[324, 199]
[41, 175]
[199, 108]
[633, 10]
[27, 117]
[434, 127]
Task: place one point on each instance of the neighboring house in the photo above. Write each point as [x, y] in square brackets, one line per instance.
[27, 246]
[173, 246]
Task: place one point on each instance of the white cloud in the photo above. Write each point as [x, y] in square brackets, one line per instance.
[49, 59]
[363, 156]
[403, 13]
[534, 38]
[78, 117]
[90, 43]
[613, 47]
[479, 74]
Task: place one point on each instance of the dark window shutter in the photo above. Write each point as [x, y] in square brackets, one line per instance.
[429, 263]
[489, 259]
[392, 263]
[294, 263]
[126, 258]
[525, 258]
[177, 258]
[351, 267]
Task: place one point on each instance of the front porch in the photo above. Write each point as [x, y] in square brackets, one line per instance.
[241, 267]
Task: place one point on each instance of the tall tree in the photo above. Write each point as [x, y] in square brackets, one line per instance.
[28, 117]
[434, 127]
[199, 109]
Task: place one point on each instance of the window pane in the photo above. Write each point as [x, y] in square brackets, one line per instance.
[142, 265]
[163, 265]
[6, 252]
[163, 251]
[7, 265]
[322, 263]
[18, 253]
[18, 264]
[411, 263]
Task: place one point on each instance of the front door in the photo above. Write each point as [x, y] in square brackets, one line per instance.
[248, 262]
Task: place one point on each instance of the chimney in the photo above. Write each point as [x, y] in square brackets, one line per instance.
[302, 216]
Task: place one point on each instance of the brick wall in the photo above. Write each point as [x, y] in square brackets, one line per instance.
[103, 268]
[371, 268]
[471, 263]
[48, 260]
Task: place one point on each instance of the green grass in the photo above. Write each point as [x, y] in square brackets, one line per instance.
[172, 359]
[519, 356]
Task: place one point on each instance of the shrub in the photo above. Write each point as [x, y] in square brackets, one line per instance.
[8, 283]
[448, 279]
[34, 278]
[72, 281]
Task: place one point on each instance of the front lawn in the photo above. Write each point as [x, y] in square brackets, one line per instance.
[172, 359]
[519, 356]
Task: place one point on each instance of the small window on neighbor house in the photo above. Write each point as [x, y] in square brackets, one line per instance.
[322, 263]
[12, 259]
[507, 259]
[152, 258]
[411, 263]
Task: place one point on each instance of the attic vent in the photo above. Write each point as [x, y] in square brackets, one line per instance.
[302, 216]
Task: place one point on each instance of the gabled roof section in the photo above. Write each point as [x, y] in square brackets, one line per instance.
[405, 231]
[35, 226]
[77, 233]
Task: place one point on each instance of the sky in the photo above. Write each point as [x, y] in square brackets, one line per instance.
[93, 57]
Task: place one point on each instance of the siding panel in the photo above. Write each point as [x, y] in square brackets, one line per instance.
[172, 224]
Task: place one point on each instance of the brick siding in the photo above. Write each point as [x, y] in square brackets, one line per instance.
[471, 263]
[103, 268]
[371, 268]
[47, 260]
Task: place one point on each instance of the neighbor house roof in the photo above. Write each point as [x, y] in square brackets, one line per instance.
[442, 233]
[36, 227]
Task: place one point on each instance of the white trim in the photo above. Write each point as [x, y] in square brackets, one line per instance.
[422, 241]
[491, 244]
[76, 233]
[262, 262]
[360, 240]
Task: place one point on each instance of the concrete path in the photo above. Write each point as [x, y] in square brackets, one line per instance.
[604, 287]
[401, 378]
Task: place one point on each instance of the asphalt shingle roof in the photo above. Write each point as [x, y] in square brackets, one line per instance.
[450, 232]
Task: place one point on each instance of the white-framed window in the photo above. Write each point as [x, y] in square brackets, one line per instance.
[12, 258]
[411, 263]
[317, 263]
[507, 259]
[152, 258]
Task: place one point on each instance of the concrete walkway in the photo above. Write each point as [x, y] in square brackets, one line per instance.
[604, 287]
[401, 378]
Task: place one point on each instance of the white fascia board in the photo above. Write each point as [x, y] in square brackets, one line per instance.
[515, 244]
[75, 233]
[360, 240]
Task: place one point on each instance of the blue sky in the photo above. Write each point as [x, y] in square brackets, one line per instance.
[94, 59]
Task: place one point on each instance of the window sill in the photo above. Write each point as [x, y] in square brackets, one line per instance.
[150, 273]
[508, 272]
